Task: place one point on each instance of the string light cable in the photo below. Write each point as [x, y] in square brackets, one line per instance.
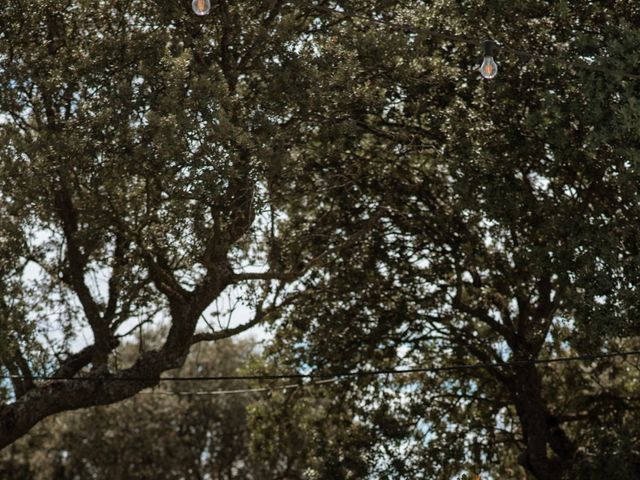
[242, 391]
[322, 378]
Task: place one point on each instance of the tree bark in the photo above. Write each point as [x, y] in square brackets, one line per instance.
[540, 429]
[56, 396]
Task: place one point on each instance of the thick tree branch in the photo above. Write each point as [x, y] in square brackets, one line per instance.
[75, 271]
[74, 363]
[62, 395]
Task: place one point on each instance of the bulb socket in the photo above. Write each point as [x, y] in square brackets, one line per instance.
[489, 46]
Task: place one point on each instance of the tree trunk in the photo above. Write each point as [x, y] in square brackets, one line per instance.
[540, 429]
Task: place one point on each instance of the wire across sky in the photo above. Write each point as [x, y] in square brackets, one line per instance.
[319, 378]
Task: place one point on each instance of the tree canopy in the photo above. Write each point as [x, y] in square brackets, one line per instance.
[355, 184]
[163, 433]
[142, 151]
[509, 235]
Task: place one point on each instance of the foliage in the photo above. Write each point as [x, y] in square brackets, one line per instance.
[508, 234]
[141, 159]
[394, 209]
[157, 434]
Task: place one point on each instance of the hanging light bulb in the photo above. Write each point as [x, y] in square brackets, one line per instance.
[201, 7]
[489, 67]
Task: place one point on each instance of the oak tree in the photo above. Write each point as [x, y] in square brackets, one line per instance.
[141, 181]
[509, 234]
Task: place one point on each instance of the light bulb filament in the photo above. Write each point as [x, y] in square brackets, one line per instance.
[489, 67]
[201, 7]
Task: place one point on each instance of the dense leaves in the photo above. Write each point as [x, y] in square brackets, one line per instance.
[358, 185]
[508, 234]
[141, 180]
[167, 432]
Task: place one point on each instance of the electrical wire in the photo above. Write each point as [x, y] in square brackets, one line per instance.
[238, 391]
[332, 375]
[409, 28]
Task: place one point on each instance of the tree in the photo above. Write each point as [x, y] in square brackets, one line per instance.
[403, 209]
[166, 432]
[144, 153]
[509, 234]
